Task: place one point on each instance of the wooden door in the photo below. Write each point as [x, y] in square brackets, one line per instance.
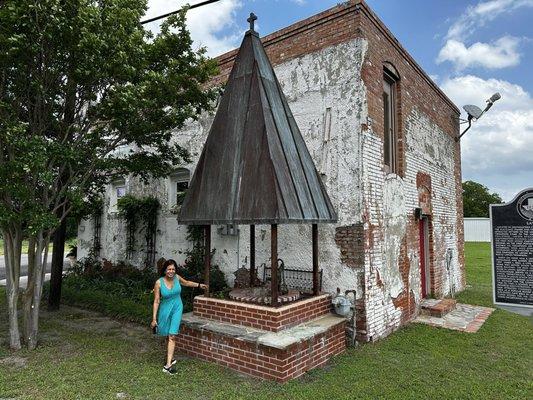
[424, 256]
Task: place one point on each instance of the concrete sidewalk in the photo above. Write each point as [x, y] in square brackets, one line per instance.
[23, 281]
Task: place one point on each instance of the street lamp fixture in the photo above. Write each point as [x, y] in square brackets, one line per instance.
[475, 113]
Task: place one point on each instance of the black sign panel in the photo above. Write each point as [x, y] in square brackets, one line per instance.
[512, 250]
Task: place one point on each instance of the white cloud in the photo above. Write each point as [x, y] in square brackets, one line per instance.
[206, 23]
[497, 149]
[478, 15]
[500, 54]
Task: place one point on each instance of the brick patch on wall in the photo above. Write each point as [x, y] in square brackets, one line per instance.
[350, 240]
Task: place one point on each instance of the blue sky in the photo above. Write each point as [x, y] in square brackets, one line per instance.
[470, 48]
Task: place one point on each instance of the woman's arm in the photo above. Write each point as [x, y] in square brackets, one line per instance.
[157, 299]
[185, 282]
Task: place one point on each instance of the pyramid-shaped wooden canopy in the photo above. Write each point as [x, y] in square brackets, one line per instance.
[255, 167]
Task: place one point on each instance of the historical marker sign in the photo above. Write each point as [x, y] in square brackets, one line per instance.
[512, 250]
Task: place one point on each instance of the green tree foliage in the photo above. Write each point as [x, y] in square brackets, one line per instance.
[476, 199]
[85, 94]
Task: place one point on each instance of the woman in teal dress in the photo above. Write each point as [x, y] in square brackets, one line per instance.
[168, 308]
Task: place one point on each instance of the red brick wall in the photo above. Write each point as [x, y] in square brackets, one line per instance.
[415, 92]
[259, 360]
[416, 88]
[350, 239]
[336, 25]
[261, 317]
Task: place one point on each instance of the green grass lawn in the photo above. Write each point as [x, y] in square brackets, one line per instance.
[84, 355]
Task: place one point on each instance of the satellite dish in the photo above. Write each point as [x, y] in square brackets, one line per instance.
[473, 111]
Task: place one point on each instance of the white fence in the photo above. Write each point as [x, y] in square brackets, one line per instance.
[477, 229]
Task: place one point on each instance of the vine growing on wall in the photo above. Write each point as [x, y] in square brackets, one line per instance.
[96, 214]
[150, 207]
[140, 213]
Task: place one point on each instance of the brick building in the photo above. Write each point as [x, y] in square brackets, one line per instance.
[382, 136]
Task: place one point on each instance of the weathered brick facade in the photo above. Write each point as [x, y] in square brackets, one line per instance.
[429, 176]
[331, 68]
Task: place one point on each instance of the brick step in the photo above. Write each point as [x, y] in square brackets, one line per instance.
[437, 307]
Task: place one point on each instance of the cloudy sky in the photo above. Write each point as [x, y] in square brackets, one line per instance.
[470, 48]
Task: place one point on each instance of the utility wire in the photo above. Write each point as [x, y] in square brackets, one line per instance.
[203, 3]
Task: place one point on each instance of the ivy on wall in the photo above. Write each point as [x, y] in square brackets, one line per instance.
[140, 213]
[96, 213]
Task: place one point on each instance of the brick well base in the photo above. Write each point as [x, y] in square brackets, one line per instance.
[267, 318]
[280, 356]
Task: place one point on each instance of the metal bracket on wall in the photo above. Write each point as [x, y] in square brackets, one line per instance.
[228, 230]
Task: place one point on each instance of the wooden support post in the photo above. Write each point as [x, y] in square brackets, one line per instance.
[316, 284]
[252, 255]
[207, 257]
[274, 265]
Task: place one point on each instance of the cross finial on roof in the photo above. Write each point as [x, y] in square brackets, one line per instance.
[251, 20]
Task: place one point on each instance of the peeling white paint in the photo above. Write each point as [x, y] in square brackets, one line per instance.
[414, 274]
[395, 223]
[388, 200]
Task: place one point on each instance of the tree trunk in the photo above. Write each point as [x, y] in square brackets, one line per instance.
[12, 253]
[35, 288]
[28, 293]
[56, 276]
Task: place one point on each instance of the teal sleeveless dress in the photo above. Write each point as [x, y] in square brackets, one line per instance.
[170, 309]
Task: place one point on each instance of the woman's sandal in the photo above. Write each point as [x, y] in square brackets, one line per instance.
[169, 370]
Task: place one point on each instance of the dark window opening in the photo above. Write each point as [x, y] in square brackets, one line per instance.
[181, 191]
[390, 135]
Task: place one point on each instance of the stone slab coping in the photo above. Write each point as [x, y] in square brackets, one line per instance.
[270, 310]
[279, 340]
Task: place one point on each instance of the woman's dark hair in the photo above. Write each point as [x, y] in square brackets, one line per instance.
[163, 269]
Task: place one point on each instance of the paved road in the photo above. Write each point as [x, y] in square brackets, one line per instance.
[24, 266]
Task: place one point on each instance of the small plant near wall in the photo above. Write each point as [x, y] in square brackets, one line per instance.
[140, 212]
